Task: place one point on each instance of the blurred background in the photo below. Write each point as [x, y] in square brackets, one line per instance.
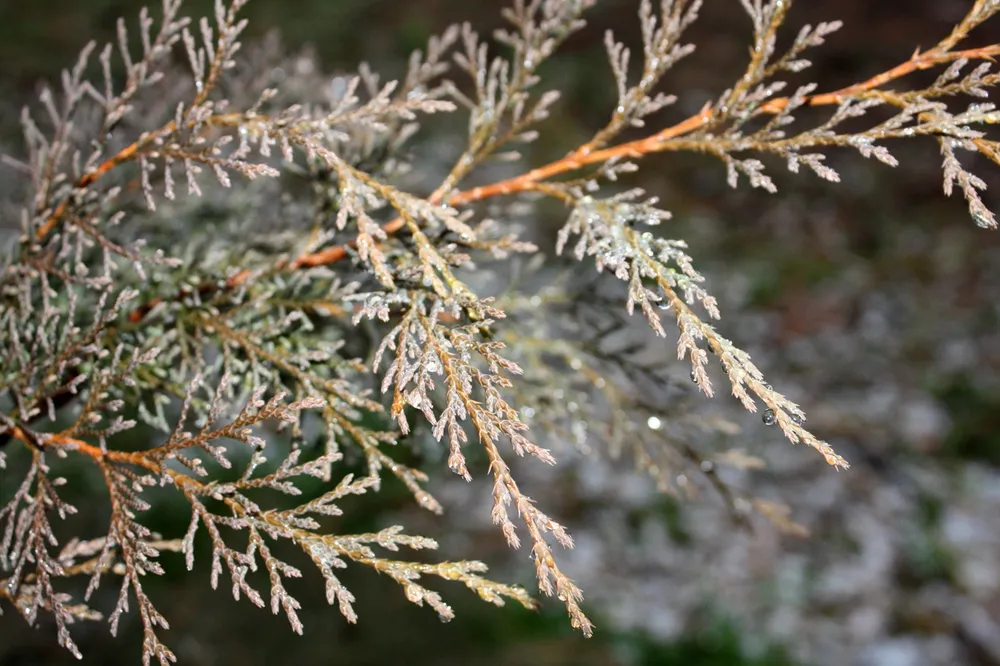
[875, 303]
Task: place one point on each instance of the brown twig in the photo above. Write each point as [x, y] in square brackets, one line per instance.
[126, 154]
[918, 61]
[72, 444]
[89, 178]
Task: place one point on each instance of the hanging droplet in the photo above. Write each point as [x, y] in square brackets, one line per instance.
[769, 418]
[654, 423]
[694, 376]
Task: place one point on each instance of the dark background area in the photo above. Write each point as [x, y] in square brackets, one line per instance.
[876, 299]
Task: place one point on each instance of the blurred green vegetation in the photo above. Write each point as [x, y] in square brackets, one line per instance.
[40, 38]
[719, 643]
[975, 419]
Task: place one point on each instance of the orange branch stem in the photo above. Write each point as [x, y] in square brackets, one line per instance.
[123, 155]
[918, 61]
[73, 444]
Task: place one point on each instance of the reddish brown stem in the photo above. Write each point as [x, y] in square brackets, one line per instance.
[73, 444]
[89, 178]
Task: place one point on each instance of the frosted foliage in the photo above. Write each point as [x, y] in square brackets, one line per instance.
[317, 310]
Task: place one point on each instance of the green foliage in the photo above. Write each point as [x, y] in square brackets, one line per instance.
[717, 645]
[975, 430]
[327, 324]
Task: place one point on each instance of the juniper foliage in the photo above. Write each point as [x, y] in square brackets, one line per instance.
[314, 264]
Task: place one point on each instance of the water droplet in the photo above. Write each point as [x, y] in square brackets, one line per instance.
[575, 364]
[707, 466]
[433, 365]
[769, 418]
[694, 376]
[654, 423]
